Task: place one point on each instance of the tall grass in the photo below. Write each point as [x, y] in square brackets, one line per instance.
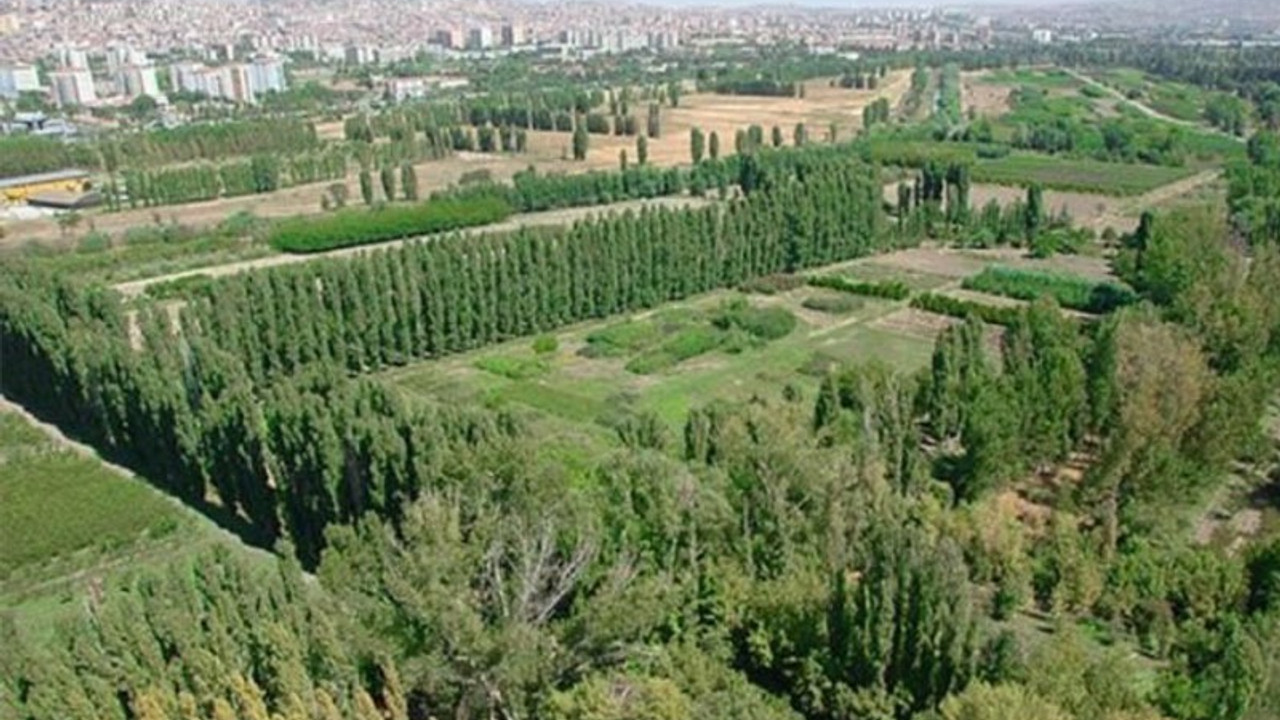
[1070, 291]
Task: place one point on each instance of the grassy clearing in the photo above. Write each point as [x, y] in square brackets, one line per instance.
[763, 345]
[1079, 175]
[54, 503]
[1047, 79]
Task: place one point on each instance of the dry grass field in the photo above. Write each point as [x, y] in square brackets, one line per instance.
[821, 106]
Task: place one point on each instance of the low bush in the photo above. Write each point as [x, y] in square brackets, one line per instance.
[772, 284]
[833, 304]
[545, 344]
[94, 241]
[621, 339]
[888, 289]
[346, 228]
[513, 368]
[768, 323]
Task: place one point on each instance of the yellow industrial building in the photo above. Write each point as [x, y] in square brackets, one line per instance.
[21, 189]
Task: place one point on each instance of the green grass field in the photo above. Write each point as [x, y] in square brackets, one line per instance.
[66, 520]
[1047, 79]
[55, 503]
[584, 385]
[1091, 176]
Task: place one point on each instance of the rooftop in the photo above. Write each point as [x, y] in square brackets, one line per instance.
[54, 176]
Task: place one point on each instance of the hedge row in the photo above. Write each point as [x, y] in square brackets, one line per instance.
[361, 227]
[889, 289]
[955, 307]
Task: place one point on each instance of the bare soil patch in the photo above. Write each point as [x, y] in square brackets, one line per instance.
[943, 262]
[915, 323]
[1085, 209]
[983, 99]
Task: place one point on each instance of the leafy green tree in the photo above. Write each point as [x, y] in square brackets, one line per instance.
[980, 701]
[366, 187]
[1035, 212]
[409, 182]
[388, 178]
[697, 145]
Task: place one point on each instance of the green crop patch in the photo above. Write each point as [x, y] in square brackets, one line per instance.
[1092, 176]
[1070, 291]
[54, 503]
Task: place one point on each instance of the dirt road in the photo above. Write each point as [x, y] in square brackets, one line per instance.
[1120, 215]
[1146, 109]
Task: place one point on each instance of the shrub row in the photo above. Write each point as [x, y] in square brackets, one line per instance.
[1070, 291]
[888, 289]
[833, 304]
[347, 228]
[513, 368]
[772, 284]
[955, 307]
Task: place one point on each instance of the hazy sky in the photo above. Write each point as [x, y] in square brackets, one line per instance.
[845, 4]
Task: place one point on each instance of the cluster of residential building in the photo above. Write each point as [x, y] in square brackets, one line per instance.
[126, 73]
[243, 82]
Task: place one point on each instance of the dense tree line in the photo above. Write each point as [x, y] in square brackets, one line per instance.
[26, 155]
[764, 87]
[191, 183]
[1253, 194]
[346, 228]
[210, 141]
[422, 300]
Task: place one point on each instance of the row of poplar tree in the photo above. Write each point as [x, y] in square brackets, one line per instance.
[801, 562]
[192, 183]
[181, 407]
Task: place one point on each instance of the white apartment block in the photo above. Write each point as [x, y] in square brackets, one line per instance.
[137, 80]
[73, 87]
[73, 58]
[15, 79]
[480, 38]
[242, 83]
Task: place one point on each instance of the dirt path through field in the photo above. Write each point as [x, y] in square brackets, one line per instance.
[1122, 214]
[1146, 109]
[134, 288]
